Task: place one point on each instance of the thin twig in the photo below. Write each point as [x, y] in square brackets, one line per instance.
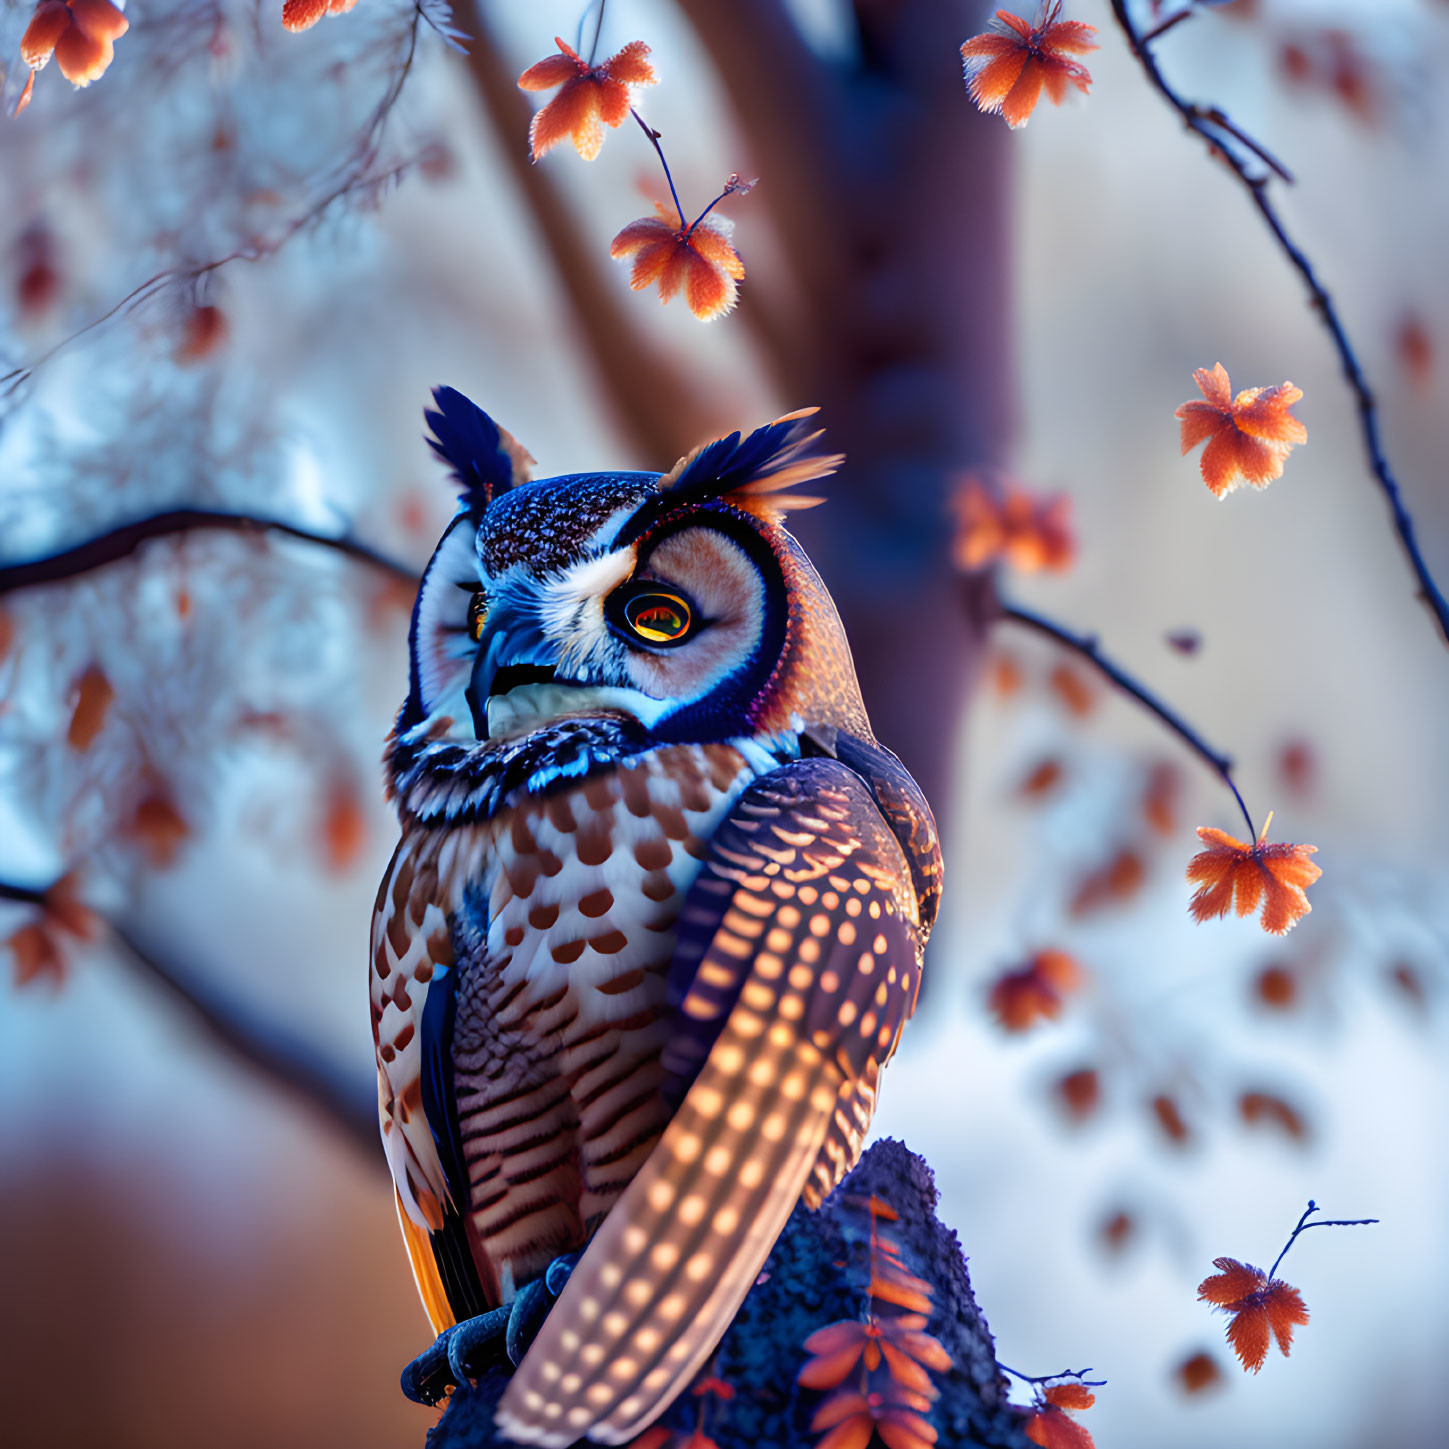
[280, 1055]
[1172, 20]
[1086, 645]
[1080, 1375]
[1304, 1225]
[107, 548]
[1201, 120]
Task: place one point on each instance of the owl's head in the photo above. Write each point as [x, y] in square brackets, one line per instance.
[675, 600]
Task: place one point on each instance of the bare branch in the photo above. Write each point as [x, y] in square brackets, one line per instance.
[1202, 120]
[117, 544]
[278, 1054]
[1086, 645]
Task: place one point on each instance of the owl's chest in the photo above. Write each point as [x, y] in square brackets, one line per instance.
[569, 927]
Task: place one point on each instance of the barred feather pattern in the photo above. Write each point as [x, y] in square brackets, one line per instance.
[809, 976]
[560, 909]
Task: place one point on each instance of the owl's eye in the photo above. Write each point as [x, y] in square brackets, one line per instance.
[477, 615]
[658, 617]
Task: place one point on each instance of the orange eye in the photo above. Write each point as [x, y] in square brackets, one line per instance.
[477, 615]
[658, 618]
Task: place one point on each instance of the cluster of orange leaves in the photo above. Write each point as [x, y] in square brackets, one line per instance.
[1051, 1424]
[697, 258]
[1031, 534]
[876, 1371]
[1008, 67]
[38, 948]
[1248, 436]
[1262, 1309]
[80, 34]
[1034, 992]
[1232, 875]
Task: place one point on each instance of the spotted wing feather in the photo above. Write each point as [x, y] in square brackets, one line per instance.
[796, 998]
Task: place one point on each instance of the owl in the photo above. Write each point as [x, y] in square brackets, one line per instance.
[654, 924]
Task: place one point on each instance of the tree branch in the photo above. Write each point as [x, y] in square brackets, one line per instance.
[282, 1057]
[1086, 645]
[1202, 120]
[109, 547]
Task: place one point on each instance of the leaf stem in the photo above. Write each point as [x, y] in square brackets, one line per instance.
[1201, 120]
[659, 151]
[1304, 1225]
[1087, 646]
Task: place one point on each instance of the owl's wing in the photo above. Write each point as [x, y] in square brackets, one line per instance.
[798, 963]
[413, 990]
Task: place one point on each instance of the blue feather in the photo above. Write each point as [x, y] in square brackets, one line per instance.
[481, 455]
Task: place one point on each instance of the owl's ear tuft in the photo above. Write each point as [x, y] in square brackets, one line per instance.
[754, 472]
[485, 460]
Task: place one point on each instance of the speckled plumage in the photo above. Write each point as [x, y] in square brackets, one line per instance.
[656, 919]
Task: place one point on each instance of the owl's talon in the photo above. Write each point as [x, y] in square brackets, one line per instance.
[557, 1274]
[457, 1349]
[526, 1317]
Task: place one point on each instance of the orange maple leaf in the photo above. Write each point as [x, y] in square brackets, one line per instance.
[304, 14]
[1233, 875]
[1007, 67]
[1030, 533]
[1035, 992]
[1198, 1372]
[1262, 1309]
[593, 96]
[80, 34]
[699, 258]
[1248, 436]
[37, 946]
[1051, 1426]
[93, 696]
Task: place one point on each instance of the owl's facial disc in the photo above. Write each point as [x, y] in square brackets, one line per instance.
[646, 633]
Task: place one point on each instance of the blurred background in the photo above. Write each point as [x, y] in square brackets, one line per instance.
[321, 227]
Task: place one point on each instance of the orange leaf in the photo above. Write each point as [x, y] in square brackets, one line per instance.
[1072, 690]
[1070, 1395]
[1041, 779]
[344, 826]
[1031, 534]
[1276, 986]
[157, 827]
[206, 330]
[1008, 67]
[1119, 880]
[1256, 1107]
[1035, 992]
[304, 14]
[700, 259]
[36, 954]
[1159, 799]
[1005, 674]
[1248, 436]
[1117, 1230]
[1233, 875]
[7, 635]
[1169, 1118]
[1199, 1372]
[93, 696]
[1053, 1429]
[1080, 1092]
[1260, 1308]
[593, 96]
